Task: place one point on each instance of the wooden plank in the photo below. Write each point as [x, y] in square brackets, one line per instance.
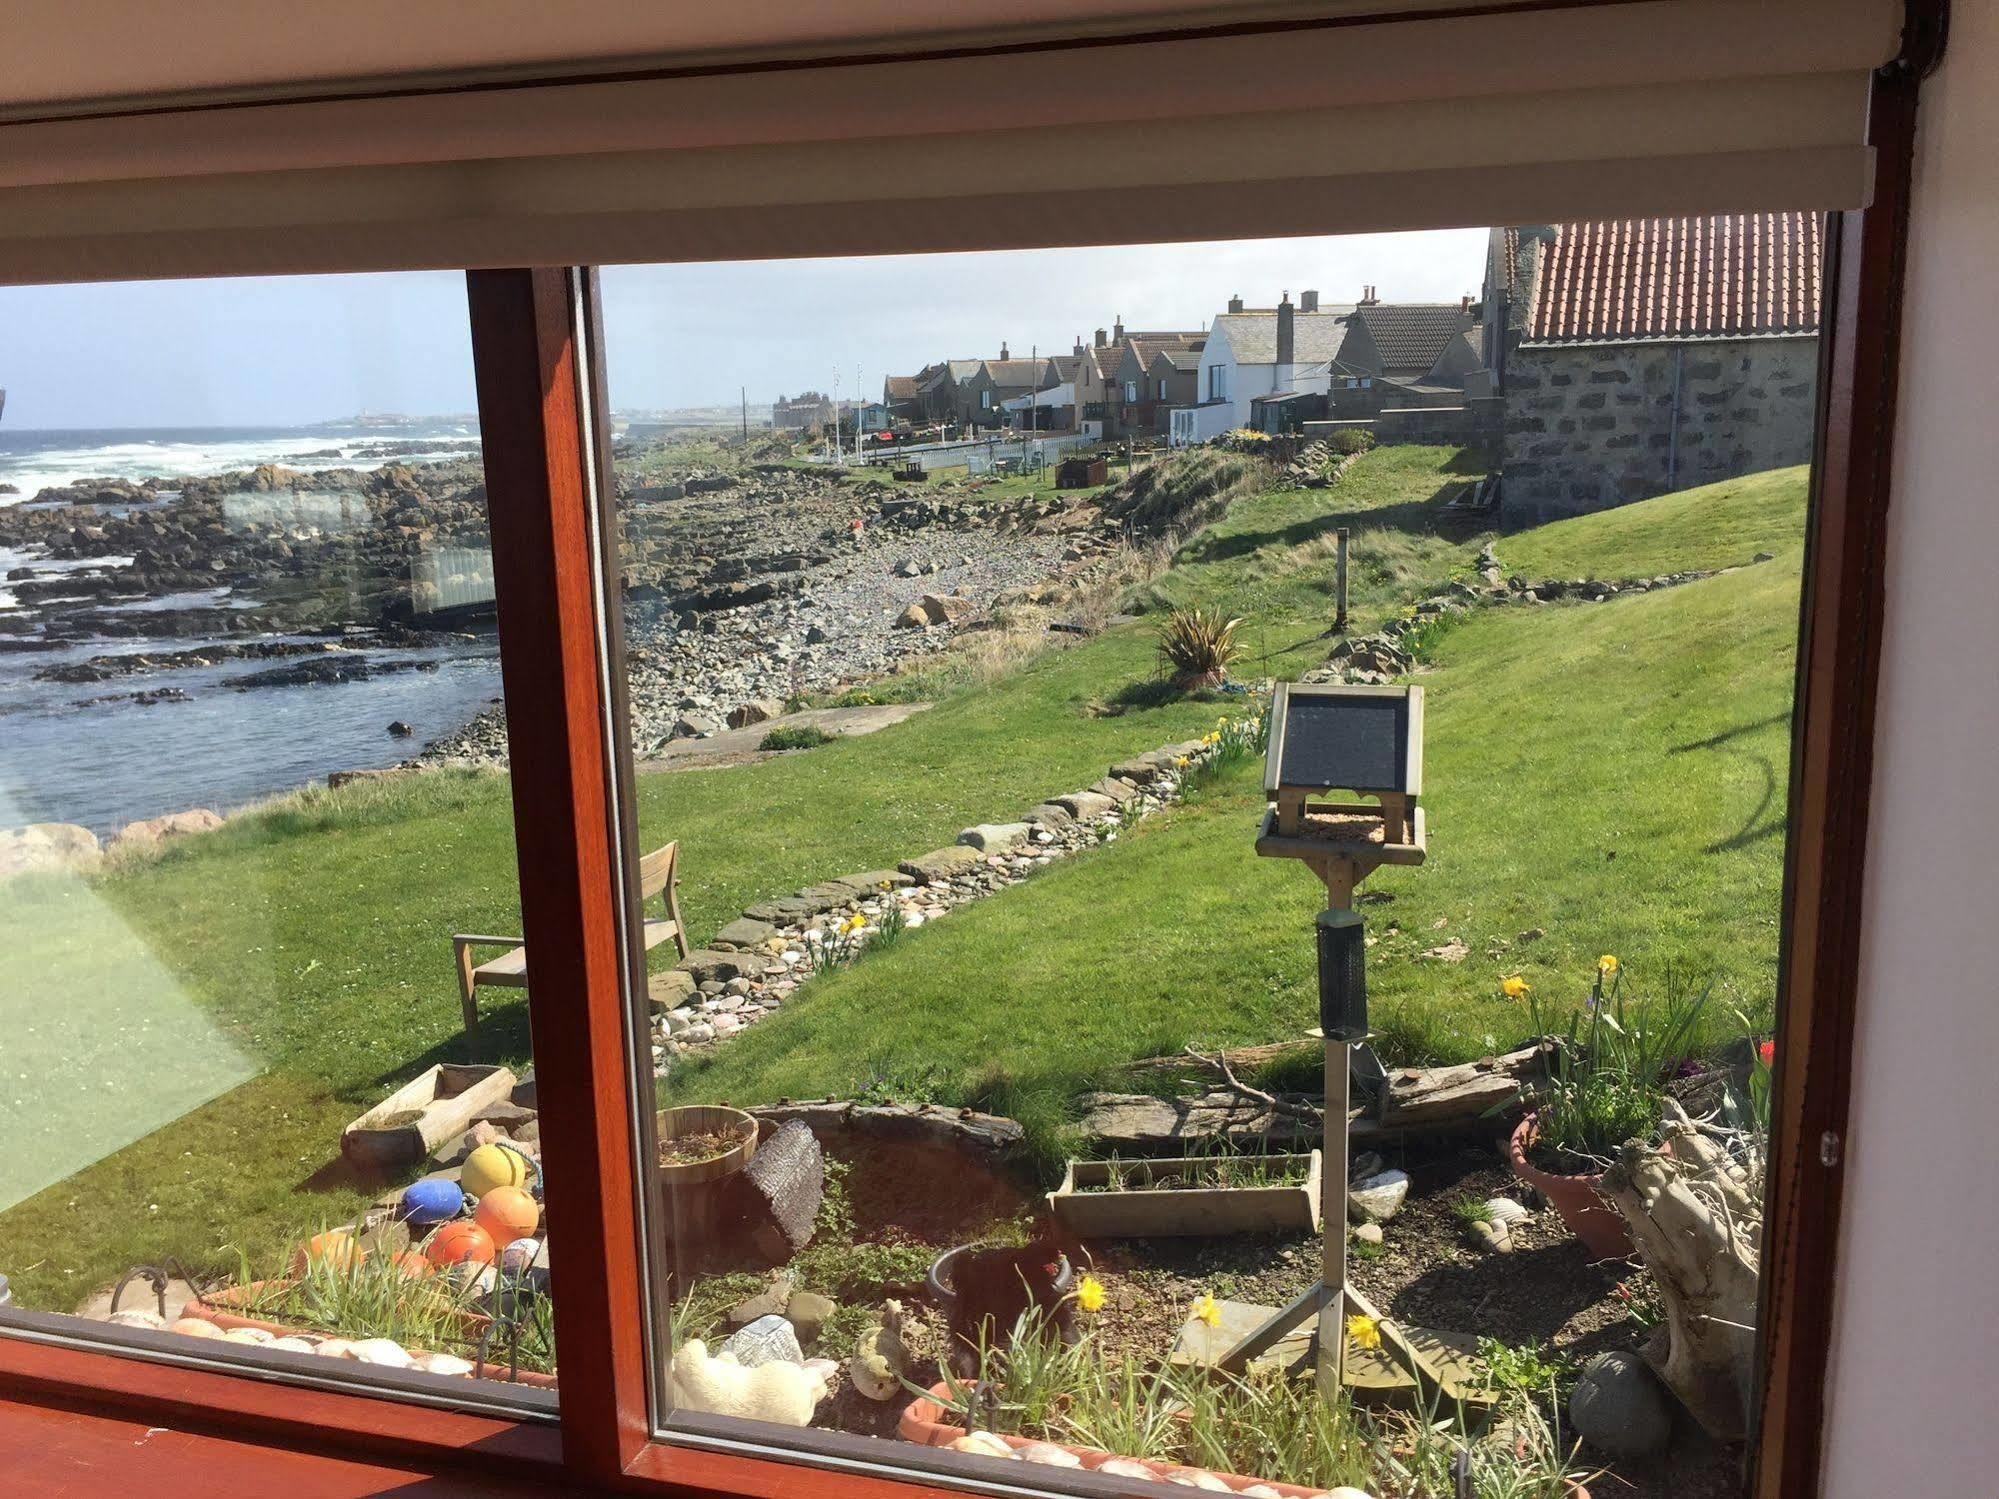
[450, 1096]
[537, 408]
[1168, 1212]
[1831, 774]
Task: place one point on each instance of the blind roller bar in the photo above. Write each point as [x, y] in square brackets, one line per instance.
[1383, 65]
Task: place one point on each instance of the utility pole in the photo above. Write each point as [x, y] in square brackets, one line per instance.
[1340, 614]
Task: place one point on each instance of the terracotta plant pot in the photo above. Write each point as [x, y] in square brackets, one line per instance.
[926, 1422]
[1584, 1209]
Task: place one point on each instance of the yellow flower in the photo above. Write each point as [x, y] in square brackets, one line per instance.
[1515, 987]
[1363, 1332]
[1208, 1310]
[1090, 1294]
[1607, 965]
[1180, 763]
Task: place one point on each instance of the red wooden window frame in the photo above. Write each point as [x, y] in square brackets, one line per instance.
[540, 381]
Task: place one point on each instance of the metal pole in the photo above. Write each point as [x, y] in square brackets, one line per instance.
[1340, 618]
[1332, 1352]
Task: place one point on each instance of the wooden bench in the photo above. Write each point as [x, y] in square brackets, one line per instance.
[659, 875]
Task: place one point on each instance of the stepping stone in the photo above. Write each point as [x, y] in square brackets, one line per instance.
[745, 931]
[670, 990]
[1085, 805]
[706, 965]
[941, 864]
[994, 837]
[1117, 790]
[870, 882]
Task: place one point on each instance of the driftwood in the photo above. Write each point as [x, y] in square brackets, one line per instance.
[1236, 1056]
[779, 1191]
[1219, 1062]
[1142, 1123]
[1446, 1097]
[1696, 1219]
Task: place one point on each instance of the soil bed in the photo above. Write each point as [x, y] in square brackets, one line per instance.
[690, 1150]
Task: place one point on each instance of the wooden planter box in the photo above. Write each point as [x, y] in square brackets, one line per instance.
[424, 1113]
[1164, 1212]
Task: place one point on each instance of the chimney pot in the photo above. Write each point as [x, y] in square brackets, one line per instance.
[1286, 337]
[1117, 331]
[1100, 338]
[1003, 353]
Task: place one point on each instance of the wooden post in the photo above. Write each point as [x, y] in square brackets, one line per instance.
[1332, 1354]
[1340, 614]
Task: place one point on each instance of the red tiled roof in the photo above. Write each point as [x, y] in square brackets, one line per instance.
[1728, 277]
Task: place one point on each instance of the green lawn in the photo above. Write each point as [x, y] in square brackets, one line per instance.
[1611, 773]
[1717, 525]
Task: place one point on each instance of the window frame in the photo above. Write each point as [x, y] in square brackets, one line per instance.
[539, 368]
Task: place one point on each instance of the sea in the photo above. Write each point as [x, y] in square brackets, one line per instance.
[86, 753]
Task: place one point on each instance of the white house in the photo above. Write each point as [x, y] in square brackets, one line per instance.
[1260, 351]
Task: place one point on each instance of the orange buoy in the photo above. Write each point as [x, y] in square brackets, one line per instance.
[459, 1241]
[412, 1263]
[507, 1214]
[336, 1249]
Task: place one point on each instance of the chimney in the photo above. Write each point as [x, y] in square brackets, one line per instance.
[1117, 330]
[1079, 344]
[1285, 341]
[1100, 338]
[1464, 303]
[1235, 304]
[1308, 301]
[1003, 352]
[1367, 297]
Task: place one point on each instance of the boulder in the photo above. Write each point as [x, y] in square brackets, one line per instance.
[1376, 1199]
[152, 830]
[693, 726]
[48, 846]
[1117, 790]
[808, 1312]
[1050, 815]
[994, 837]
[705, 964]
[1619, 1407]
[947, 608]
[756, 710]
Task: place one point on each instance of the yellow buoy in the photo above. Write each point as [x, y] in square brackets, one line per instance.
[492, 1166]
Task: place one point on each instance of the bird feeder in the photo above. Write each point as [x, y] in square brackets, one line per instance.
[1364, 743]
[1342, 776]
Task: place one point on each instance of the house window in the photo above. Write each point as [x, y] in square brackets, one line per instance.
[1218, 382]
[1131, 390]
[1159, 393]
[985, 400]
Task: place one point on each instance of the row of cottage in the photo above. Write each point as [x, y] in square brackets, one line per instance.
[1603, 362]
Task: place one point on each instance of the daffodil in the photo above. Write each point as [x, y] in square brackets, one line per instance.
[1363, 1332]
[1514, 987]
[1090, 1294]
[1208, 1310]
[1607, 965]
[1180, 763]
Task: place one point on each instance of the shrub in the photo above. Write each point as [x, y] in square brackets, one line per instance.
[796, 737]
[1198, 642]
[1350, 440]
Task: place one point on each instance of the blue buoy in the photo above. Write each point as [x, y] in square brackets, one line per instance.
[432, 1200]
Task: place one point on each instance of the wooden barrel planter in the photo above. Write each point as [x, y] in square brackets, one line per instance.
[695, 1190]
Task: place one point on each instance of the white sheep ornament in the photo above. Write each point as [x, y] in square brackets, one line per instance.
[778, 1391]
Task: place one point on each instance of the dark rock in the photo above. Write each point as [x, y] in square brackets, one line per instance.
[1619, 1407]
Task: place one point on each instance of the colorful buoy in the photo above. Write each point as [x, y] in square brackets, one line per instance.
[335, 1249]
[493, 1166]
[432, 1200]
[457, 1242]
[507, 1213]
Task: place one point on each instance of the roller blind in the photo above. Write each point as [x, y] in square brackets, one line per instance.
[1344, 123]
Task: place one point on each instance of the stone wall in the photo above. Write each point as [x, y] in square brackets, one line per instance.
[1474, 424]
[1590, 427]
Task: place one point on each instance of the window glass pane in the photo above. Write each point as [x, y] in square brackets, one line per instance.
[255, 832]
[986, 1015]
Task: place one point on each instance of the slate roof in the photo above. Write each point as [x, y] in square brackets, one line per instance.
[1023, 373]
[1412, 335]
[1315, 336]
[901, 387]
[1625, 280]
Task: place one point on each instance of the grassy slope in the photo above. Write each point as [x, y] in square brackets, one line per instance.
[1717, 525]
[1653, 830]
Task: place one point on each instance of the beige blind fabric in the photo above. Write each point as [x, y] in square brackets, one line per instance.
[1532, 115]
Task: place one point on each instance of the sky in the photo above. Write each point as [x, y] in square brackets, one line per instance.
[282, 351]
